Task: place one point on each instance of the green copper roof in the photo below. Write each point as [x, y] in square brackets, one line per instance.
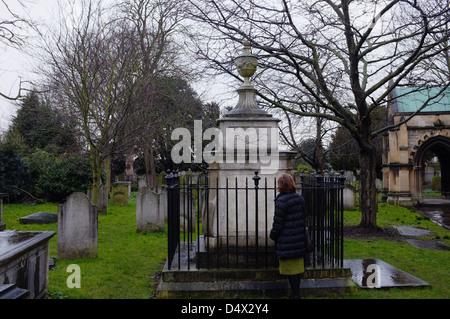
[410, 99]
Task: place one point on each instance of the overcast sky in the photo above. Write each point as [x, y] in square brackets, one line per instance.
[14, 64]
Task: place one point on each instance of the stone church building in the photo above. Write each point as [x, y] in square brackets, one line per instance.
[406, 147]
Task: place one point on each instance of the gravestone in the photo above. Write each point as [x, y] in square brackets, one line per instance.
[142, 182]
[126, 185]
[187, 212]
[163, 202]
[349, 177]
[77, 228]
[349, 196]
[378, 185]
[102, 199]
[149, 216]
[428, 175]
[119, 194]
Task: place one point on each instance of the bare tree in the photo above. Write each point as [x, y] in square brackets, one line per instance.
[13, 30]
[90, 65]
[157, 27]
[342, 56]
[297, 132]
[436, 70]
[102, 68]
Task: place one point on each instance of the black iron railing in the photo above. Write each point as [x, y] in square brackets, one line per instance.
[227, 226]
[325, 216]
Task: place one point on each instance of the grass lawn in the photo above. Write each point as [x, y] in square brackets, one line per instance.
[128, 262]
[428, 265]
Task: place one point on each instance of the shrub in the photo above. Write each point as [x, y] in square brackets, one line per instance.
[304, 167]
[39, 162]
[436, 183]
[64, 177]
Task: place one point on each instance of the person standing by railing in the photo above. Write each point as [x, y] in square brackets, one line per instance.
[289, 232]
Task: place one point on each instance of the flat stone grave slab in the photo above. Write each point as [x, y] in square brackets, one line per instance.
[412, 231]
[39, 218]
[428, 244]
[390, 276]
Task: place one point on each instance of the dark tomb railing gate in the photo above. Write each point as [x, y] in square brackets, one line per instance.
[324, 197]
[193, 201]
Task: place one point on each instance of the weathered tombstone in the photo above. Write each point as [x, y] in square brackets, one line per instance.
[378, 184]
[163, 202]
[126, 185]
[77, 228]
[429, 174]
[142, 182]
[2, 224]
[349, 177]
[102, 199]
[119, 194]
[187, 212]
[149, 217]
[349, 194]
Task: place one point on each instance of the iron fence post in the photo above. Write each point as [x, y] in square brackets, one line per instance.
[173, 214]
[341, 179]
[256, 179]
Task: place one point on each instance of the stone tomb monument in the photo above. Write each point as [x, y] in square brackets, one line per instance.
[77, 228]
[24, 264]
[249, 142]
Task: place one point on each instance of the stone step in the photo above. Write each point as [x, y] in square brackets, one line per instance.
[245, 283]
[189, 277]
[11, 291]
[214, 275]
[253, 289]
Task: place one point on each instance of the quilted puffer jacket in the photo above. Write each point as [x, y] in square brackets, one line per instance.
[289, 226]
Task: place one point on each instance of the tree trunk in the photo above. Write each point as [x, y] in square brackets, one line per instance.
[129, 166]
[96, 176]
[107, 168]
[150, 170]
[367, 187]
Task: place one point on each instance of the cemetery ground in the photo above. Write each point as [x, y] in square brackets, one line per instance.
[128, 263]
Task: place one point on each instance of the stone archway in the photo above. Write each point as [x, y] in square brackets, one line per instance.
[440, 146]
[405, 146]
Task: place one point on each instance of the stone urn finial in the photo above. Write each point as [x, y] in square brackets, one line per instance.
[246, 64]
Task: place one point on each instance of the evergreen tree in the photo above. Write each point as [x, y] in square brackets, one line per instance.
[14, 174]
[38, 126]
